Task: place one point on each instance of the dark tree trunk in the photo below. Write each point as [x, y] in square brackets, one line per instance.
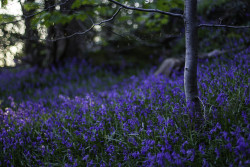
[191, 58]
[74, 46]
[64, 48]
[50, 46]
[31, 45]
[58, 51]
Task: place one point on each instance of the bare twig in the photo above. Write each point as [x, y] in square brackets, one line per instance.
[89, 29]
[225, 26]
[147, 10]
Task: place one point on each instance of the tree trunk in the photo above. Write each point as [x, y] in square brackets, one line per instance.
[31, 44]
[50, 46]
[76, 45]
[191, 59]
[62, 49]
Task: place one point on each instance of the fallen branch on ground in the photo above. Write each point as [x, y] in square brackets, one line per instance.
[170, 65]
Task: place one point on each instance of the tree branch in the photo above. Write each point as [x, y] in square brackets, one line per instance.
[225, 26]
[147, 10]
[89, 29]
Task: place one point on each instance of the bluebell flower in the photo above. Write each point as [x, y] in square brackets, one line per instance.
[201, 149]
[205, 163]
[221, 99]
[191, 154]
[241, 145]
[217, 153]
[85, 158]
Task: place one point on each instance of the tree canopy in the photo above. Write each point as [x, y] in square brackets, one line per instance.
[150, 34]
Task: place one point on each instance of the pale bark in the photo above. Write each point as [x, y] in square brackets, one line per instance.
[191, 58]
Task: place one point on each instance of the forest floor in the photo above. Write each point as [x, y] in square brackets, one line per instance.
[84, 116]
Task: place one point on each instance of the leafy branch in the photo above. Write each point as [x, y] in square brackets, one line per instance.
[89, 29]
[175, 15]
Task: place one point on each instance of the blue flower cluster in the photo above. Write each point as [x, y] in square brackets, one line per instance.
[73, 117]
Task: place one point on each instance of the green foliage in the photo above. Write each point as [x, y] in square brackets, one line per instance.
[233, 35]
[6, 18]
[31, 6]
[81, 15]
[169, 4]
[205, 6]
[79, 3]
[155, 22]
[4, 3]
[142, 18]
[56, 17]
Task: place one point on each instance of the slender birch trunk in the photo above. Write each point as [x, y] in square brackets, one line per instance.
[191, 58]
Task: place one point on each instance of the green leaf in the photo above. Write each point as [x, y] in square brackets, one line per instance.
[164, 21]
[166, 5]
[81, 16]
[157, 15]
[6, 18]
[142, 18]
[76, 4]
[79, 3]
[124, 18]
[41, 19]
[4, 3]
[30, 6]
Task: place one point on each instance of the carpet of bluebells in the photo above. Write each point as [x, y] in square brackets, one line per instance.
[83, 116]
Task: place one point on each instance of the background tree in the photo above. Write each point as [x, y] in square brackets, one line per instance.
[51, 31]
[136, 38]
[64, 48]
[59, 21]
[32, 47]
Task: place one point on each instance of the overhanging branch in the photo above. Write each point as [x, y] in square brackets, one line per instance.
[224, 26]
[89, 29]
[147, 10]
